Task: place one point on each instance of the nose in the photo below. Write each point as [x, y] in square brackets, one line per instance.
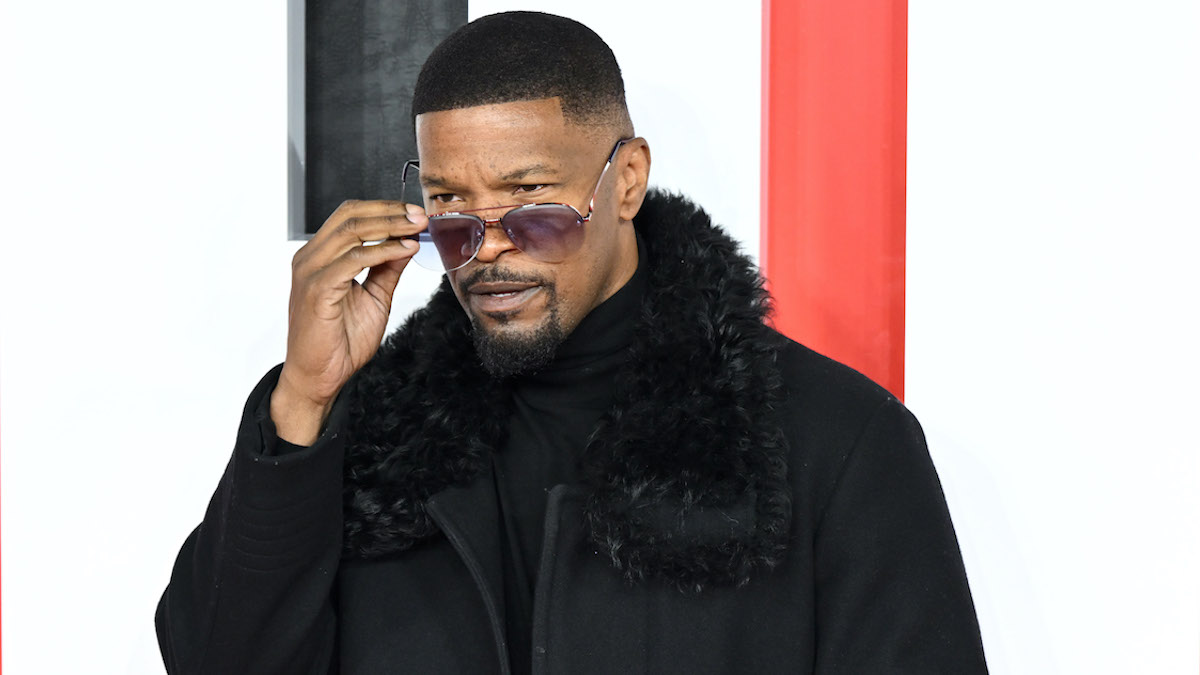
[495, 243]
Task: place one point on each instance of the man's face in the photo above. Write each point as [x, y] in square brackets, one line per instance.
[514, 153]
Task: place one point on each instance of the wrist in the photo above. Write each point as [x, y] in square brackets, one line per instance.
[298, 418]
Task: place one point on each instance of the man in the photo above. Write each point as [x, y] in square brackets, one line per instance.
[586, 454]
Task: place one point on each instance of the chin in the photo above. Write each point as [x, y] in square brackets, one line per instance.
[512, 347]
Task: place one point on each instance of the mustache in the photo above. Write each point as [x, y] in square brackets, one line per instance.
[491, 274]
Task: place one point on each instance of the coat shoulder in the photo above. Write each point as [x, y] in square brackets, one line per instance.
[827, 411]
[819, 384]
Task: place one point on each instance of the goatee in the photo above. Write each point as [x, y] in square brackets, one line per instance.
[508, 354]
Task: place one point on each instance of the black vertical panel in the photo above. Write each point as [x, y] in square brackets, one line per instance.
[361, 63]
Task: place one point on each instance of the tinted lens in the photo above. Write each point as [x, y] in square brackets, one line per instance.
[427, 256]
[546, 232]
[449, 242]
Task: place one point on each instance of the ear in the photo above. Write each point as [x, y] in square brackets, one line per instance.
[633, 178]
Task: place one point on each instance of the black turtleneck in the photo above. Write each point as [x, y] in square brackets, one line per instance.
[554, 413]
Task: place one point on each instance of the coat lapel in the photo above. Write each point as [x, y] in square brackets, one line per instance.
[469, 516]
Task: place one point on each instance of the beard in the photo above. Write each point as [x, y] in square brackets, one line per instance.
[507, 353]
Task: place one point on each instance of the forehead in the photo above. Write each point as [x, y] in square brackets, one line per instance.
[498, 135]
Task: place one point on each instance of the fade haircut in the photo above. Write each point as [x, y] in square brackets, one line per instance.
[525, 56]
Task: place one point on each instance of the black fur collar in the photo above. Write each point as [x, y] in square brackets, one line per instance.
[687, 474]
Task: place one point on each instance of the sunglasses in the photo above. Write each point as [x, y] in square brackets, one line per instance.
[546, 232]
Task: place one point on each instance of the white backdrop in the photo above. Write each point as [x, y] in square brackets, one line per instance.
[1053, 173]
[1054, 179]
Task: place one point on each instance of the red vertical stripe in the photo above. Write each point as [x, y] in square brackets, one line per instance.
[833, 144]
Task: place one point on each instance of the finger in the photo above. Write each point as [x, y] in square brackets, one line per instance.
[353, 232]
[342, 222]
[381, 281]
[351, 263]
[372, 228]
[370, 207]
[416, 214]
[378, 207]
[357, 230]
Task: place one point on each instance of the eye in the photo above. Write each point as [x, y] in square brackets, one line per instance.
[444, 198]
[527, 189]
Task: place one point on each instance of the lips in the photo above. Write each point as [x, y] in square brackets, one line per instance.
[499, 287]
[496, 297]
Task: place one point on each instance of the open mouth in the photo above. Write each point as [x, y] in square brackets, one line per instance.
[501, 296]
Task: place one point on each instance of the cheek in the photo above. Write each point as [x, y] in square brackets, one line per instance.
[453, 277]
[577, 288]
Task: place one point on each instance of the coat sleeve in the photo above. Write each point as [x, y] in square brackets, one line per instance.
[251, 589]
[892, 594]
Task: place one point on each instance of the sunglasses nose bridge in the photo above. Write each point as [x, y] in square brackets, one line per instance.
[496, 239]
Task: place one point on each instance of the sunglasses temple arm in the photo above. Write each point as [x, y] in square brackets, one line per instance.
[612, 156]
[410, 164]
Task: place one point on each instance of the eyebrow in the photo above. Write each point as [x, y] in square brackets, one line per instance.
[431, 181]
[527, 171]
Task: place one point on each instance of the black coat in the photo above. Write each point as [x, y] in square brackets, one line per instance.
[747, 506]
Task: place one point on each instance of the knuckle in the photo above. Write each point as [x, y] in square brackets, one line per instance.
[357, 253]
[338, 213]
[299, 263]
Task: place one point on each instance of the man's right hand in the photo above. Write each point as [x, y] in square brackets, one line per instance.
[335, 324]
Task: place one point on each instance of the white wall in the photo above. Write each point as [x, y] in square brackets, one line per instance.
[145, 268]
[1054, 179]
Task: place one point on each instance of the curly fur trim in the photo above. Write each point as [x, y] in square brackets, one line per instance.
[655, 470]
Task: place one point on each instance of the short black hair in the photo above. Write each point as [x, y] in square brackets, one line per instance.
[525, 56]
